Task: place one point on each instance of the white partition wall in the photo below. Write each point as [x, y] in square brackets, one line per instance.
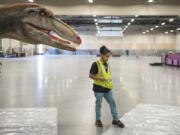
[131, 42]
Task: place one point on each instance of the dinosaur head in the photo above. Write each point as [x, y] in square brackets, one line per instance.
[35, 24]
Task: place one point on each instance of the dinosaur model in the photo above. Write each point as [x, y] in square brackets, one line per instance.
[34, 24]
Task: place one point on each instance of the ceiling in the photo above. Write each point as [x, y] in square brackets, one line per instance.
[96, 2]
[115, 23]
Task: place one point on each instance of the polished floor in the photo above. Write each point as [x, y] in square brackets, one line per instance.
[62, 82]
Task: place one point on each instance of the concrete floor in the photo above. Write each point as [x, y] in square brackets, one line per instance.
[62, 82]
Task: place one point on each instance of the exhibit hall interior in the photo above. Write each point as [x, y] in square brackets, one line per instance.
[89, 67]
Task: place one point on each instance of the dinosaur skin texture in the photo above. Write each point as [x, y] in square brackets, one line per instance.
[34, 24]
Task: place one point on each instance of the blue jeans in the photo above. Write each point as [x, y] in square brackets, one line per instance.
[109, 98]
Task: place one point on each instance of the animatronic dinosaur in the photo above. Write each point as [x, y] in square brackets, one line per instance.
[35, 24]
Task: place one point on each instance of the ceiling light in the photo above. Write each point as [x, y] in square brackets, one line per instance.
[171, 19]
[95, 20]
[156, 26]
[96, 23]
[132, 20]
[136, 15]
[163, 23]
[94, 15]
[129, 23]
[90, 1]
[102, 20]
[166, 32]
[150, 1]
[152, 29]
[126, 26]
[171, 30]
[178, 29]
[147, 30]
[144, 32]
[31, 0]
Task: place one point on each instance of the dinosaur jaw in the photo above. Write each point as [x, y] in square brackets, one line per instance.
[50, 37]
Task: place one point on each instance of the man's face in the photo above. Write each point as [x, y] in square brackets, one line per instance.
[106, 57]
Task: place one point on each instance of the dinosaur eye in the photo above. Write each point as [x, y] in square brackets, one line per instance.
[32, 12]
[42, 13]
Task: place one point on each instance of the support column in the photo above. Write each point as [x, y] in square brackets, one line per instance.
[0, 44]
[35, 49]
[21, 47]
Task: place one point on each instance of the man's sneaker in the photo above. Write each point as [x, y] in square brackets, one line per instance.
[118, 123]
[98, 123]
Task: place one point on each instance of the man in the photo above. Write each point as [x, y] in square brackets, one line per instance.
[102, 87]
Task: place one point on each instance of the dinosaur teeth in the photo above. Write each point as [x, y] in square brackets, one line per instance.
[55, 36]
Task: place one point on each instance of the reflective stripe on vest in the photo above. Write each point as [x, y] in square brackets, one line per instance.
[99, 66]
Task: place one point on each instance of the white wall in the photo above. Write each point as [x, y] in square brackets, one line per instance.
[8, 44]
[132, 42]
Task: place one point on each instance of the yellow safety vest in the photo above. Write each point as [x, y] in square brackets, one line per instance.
[102, 73]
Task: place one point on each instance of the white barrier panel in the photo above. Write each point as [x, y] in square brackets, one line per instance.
[152, 120]
[149, 120]
[28, 121]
